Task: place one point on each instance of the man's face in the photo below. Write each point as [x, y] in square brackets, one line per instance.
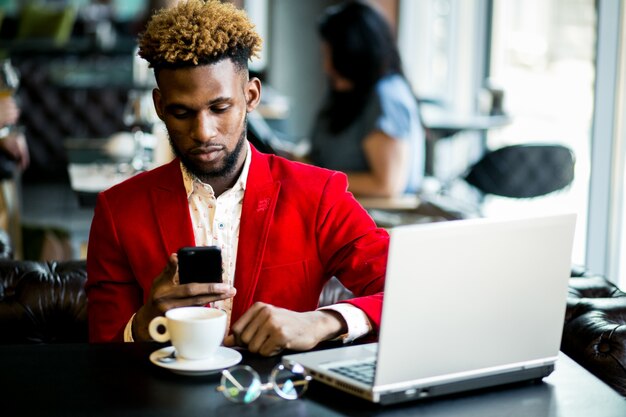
[204, 109]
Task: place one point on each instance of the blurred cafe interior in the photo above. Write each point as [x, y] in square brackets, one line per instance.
[488, 75]
[522, 104]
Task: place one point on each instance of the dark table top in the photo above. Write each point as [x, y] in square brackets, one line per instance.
[119, 380]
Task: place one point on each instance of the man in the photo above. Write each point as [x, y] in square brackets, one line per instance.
[284, 228]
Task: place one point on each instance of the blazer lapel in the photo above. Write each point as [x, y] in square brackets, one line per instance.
[259, 203]
[170, 208]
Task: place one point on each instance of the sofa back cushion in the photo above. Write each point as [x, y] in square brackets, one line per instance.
[43, 302]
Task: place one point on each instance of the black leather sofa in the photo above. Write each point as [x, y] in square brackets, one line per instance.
[594, 332]
[45, 302]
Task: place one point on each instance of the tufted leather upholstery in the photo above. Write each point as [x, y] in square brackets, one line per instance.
[594, 333]
[523, 171]
[52, 112]
[42, 302]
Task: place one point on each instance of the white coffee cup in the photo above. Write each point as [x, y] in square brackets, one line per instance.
[195, 332]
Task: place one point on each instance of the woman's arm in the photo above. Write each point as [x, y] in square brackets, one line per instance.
[388, 159]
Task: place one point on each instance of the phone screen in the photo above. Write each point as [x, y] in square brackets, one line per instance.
[199, 264]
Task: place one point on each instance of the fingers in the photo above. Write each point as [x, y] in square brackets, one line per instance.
[268, 348]
[256, 332]
[202, 293]
[207, 288]
[170, 270]
[241, 326]
[167, 293]
[260, 329]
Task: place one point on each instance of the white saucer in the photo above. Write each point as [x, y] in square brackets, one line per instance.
[223, 358]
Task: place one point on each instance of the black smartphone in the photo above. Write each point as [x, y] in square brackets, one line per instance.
[199, 264]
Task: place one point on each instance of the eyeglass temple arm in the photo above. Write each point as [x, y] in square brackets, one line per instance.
[232, 379]
[295, 383]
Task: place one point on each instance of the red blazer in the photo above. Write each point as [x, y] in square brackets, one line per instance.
[299, 227]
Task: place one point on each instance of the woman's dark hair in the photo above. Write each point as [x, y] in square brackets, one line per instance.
[363, 50]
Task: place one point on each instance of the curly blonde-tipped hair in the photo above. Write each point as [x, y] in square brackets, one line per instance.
[199, 32]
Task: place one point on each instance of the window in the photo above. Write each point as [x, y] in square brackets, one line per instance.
[541, 54]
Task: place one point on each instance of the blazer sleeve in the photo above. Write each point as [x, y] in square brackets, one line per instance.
[352, 247]
[113, 293]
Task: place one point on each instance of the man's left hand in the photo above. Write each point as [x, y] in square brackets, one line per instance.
[267, 330]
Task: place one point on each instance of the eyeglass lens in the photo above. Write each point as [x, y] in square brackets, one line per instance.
[242, 384]
[289, 383]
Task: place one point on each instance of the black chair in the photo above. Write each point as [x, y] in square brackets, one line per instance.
[523, 171]
[515, 171]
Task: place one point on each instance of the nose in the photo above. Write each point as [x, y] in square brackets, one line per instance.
[204, 128]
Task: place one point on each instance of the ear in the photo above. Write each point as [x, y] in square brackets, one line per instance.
[158, 102]
[253, 94]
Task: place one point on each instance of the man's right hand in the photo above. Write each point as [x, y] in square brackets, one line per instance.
[166, 293]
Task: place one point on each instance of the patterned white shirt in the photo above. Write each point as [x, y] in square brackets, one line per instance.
[216, 221]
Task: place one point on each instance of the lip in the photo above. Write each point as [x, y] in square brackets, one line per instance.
[206, 154]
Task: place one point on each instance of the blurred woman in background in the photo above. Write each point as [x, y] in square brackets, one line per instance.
[369, 125]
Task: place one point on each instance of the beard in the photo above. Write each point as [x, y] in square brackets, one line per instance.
[230, 161]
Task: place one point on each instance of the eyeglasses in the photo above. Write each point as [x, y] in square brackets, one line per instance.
[242, 384]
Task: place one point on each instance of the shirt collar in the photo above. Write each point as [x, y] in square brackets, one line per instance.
[189, 179]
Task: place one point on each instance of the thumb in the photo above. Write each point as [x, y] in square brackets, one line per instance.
[169, 273]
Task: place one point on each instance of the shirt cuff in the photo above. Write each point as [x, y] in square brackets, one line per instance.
[128, 330]
[356, 320]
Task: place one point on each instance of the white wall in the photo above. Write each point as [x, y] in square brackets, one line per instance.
[295, 65]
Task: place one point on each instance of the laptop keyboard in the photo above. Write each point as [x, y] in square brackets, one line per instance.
[362, 372]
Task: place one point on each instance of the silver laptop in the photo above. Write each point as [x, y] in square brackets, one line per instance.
[468, 304]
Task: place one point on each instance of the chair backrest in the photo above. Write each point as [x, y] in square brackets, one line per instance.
[523, 171]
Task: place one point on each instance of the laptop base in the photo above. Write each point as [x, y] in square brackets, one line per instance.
[463, 386]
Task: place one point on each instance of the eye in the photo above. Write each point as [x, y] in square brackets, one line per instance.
[220, 108]
[180, 113]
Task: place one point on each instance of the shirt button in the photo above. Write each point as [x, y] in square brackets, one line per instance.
[220, 225]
